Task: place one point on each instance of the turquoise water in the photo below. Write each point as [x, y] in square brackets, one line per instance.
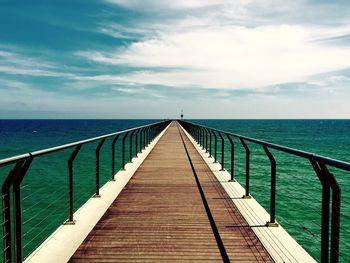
[44, 188]
[44, 197]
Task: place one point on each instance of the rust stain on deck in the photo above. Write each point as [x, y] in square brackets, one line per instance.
[160, 215]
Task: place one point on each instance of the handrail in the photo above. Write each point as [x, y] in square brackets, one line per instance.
[319, 163]
[13, 159]
[332, 162]
[22, 163]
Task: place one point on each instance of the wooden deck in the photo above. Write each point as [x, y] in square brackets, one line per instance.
[172, 211]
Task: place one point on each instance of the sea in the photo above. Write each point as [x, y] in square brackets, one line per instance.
[298, 201]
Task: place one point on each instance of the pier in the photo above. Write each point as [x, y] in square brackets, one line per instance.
[174, 201]
[172, 209]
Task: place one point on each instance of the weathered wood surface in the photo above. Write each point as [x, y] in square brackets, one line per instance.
[160, 216]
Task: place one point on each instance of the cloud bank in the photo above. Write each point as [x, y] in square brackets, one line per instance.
[251, 58]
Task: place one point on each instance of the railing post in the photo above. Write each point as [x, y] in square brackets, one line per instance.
[194, 134]
[325, 211]
[155, 128]
[144, 138]
[150, 135]
[98, 148]
[6, 211]
[328, 181]
[147, 136]
[123, 150]
[247, 169]
[113, 156]
[202, 138]
[210, 152]
[336, 194]
[141, 139]
[272, 189]
[136, 142]
[215, 147]
[18, 210]
[160, 129]
[335, 225]
[130, 146]
[232, 158]
[70, 185]
[199, 136]
[222, 152]
[206, 140]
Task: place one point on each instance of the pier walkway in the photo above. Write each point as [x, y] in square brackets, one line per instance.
[173, 208]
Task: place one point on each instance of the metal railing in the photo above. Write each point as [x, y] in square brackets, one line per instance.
[330, 229]
[12, 249]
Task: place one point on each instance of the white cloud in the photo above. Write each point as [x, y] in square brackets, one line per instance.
[13, 56]
[228, 57]
[251, 46]
[14, 84]
[32, 72]
[228, 44]
[15, 63]
[159, 4]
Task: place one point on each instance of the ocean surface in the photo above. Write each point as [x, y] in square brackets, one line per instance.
[44, 194]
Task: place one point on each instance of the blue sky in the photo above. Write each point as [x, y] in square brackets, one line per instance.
[152, 58]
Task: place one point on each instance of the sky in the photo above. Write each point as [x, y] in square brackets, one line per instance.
[152, 58]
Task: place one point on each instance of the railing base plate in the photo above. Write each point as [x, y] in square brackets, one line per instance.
[246, 197]
[96, 196]
[68, 222]
[269, 224]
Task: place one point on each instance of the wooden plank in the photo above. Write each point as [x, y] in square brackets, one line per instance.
[231, 225]
[160, 216]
